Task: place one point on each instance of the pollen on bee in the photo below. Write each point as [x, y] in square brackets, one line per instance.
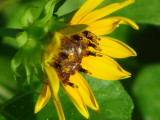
[72, 50]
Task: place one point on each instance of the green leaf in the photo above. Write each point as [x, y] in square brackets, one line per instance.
[114, 102]
[10, 32]
[6, 3]
[142, 12]
[69, 6]
[73, 29]
[146, 90]
[8, 86]
[2, 117]
[18, 108]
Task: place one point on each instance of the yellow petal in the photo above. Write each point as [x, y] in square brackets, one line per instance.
[56, 40]
[104, 68]
[107, 25]
[59, 109]
[53, 81]
[54, 87]
[102, 12]
[115, 48]
[76, 98]
[87, 7]
[43, 98]
[127, 21]
[85, 91]
[51, 48]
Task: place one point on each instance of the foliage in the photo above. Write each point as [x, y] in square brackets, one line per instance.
[17, 102]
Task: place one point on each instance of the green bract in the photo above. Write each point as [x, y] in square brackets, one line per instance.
[27, 61]
[36, 34]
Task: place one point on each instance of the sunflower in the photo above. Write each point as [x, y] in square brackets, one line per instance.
[87, 51]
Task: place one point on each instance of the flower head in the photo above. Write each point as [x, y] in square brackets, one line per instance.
[80, 47]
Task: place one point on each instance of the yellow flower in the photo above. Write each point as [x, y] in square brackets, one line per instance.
[85, 51]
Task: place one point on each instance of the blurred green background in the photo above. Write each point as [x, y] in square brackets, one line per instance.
[136, 98]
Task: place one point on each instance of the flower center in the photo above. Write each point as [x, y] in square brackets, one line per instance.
[72, 50]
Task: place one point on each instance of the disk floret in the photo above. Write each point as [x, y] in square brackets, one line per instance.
[71, 52]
